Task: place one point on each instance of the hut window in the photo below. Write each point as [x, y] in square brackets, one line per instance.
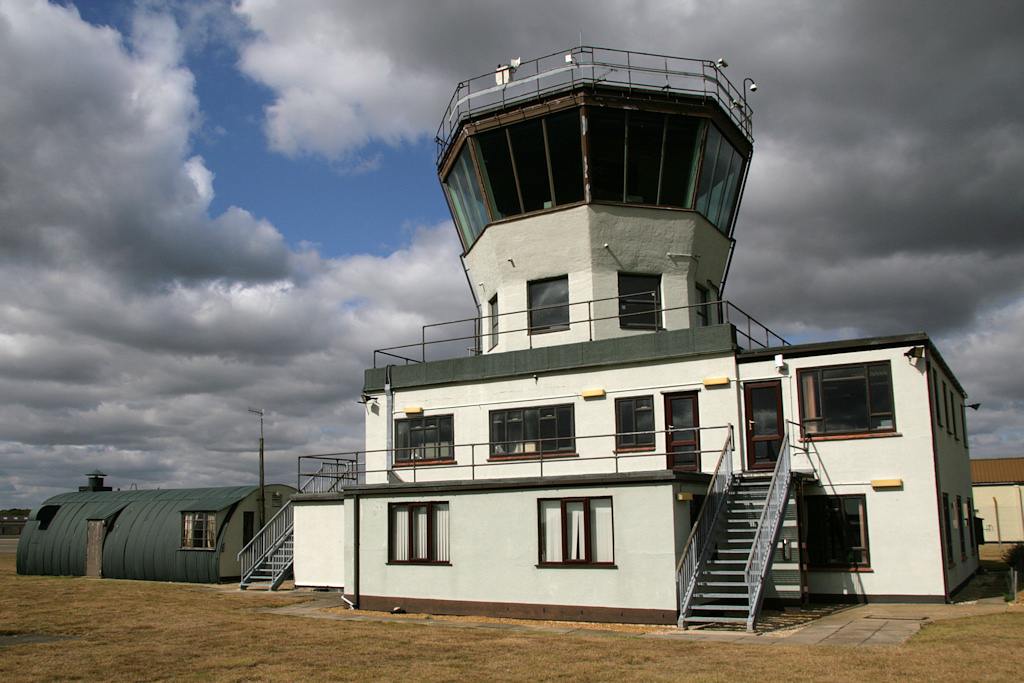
[46, 515]
[275, 499]
[198, 530]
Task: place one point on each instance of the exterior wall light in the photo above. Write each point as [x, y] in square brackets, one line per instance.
[915, 352]
[413, 410]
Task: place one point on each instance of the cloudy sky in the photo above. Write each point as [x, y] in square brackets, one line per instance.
[207, 205]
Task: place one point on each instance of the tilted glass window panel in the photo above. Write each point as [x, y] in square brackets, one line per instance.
[466, 197]
[606, 142]
[566, 154]
[682, 151]
[707, 169]
[499, 177]
[531, 163]
[845, 405]
[645, 137]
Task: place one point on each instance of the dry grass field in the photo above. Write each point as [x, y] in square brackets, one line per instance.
[138, 631]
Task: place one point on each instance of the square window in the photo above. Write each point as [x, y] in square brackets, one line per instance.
[424, 438]
[533, 431]
[576, 531]
[199, 530]
[837, 532]
[418, 533]
[847, 399]
[549, 304]
[639, 301]
[634, 423]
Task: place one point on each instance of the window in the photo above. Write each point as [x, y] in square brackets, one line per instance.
[935, 388]
[639, 301]
[720, 176]
[963, 422]
[198, 530]
[945, 403]
[465, 198]
[634, 423]
[970, 526]
[418, 533]
[576, 531]
[947, 527]
[847, 399]
[46, 515]
[961, 524]
[534, 431]
[703, 310]
[837, 532]
[492, 315]
[424, 438]
[533, 165]
[642, 157]
[549, 304]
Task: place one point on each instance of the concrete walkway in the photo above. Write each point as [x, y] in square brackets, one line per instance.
[863, 625]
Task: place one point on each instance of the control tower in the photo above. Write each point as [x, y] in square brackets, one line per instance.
[595, 192]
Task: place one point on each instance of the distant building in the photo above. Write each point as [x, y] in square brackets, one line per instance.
[621, 444]
[11, 525]
[998, 498]
[189, 535]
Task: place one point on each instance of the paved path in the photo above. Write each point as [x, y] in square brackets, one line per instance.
[864, 625]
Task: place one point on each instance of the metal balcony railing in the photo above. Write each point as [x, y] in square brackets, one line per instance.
[593, 454]
[587, 66]
[472, 335]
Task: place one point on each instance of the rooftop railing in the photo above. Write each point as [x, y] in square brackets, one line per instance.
[590, 66]
[470, 337]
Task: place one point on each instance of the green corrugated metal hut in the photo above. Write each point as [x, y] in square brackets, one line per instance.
[190, 535]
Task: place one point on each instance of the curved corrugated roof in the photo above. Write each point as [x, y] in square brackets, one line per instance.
[143, 536]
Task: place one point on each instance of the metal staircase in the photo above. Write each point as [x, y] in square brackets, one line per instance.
[267, 559]
[727, 583]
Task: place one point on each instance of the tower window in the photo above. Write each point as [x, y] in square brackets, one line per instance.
[639, 301]
[549, 304]
[492, 315]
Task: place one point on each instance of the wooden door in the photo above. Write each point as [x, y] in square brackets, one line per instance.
[682, 436]
[764, 423]
[94, 532]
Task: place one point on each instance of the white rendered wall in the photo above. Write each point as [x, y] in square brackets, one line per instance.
[1001, 506]
[320, 543]
[904, 534]
[954, 471]
[470, 405]
[494, 551]
[681, 246]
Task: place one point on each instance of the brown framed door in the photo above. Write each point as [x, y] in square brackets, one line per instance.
[682, 436]
[764, 424]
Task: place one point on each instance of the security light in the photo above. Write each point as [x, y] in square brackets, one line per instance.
[973, 406]
[915, 352]
[722, 63]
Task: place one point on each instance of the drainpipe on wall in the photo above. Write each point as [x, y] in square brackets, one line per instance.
[999, 531]
[389, 409]
[1020, 502]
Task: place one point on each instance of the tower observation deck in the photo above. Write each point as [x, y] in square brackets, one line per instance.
[595, 175]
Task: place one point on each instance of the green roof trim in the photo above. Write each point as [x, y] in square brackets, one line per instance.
[603, 352]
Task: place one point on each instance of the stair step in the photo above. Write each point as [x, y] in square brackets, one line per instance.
[715, 620]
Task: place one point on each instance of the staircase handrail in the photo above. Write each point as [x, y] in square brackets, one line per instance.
[269, 538]
[695, 551]
[767, 533]
[335, 473]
